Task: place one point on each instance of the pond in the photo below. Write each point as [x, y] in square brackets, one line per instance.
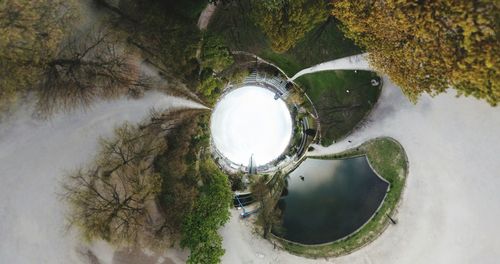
[329, 199]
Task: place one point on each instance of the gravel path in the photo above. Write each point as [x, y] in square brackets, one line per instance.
[355, 62]
[206, 15]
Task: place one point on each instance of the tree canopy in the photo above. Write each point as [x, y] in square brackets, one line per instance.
[30, 34]
[269, 214]
[109, 198]
[162, 160]
[428, 46]
[214, 53]
[286, 21]
[90, 65]
[211, 211]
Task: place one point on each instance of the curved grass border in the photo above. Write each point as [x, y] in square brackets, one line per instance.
[388, 160]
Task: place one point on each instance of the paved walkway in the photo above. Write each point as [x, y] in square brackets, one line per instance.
[356, 62]
[206, 15]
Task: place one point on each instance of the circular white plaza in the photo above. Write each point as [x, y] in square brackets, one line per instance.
[249, 121]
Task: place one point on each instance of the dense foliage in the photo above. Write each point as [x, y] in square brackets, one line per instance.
[166, 34]
[165, 31]
[196, 194]
[286, 21]
[214, 54]
[164, 159]
[211, 211]
[428, 46]
[67, 65]
[177, 167]
[30, 35]
[209, 88]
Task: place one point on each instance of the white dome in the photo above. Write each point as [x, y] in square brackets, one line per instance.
[250, 121]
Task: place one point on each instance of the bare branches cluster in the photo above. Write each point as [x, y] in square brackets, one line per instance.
[110, 198]
[115, 196]
[91, 65]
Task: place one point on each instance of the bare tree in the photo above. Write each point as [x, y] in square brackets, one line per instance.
[109, 199]
[269, 214]
[115, 197]
[162, 122]
[91, 65]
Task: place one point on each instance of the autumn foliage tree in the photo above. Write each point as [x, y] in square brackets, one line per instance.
[65, 70]
[428, 46]
[287, 21]
[31, 32]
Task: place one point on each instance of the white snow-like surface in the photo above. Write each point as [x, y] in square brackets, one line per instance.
[33, 158]
[249, 121]
[355, 62]
[450, 208]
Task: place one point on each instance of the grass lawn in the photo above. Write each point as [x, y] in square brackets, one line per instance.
[234, 24]
[323, 43]
[389, 160]
[340, 111]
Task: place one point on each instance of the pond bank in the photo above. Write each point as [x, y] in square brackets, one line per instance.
[388, 160]
[327, 200]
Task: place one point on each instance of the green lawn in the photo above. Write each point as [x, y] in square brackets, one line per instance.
[340, 111]
[287, 63]
[325, 42]
[389, 160]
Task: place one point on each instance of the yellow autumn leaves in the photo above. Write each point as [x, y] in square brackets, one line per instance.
[428, 47]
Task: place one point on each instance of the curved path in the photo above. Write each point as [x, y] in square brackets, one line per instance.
[450, 208]
[355, 62]
[448, 214]
[206, 15]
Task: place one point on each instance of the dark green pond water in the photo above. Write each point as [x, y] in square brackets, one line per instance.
[334, 199]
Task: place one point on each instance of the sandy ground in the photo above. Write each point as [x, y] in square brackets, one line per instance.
[34, 156]
[450, 208]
